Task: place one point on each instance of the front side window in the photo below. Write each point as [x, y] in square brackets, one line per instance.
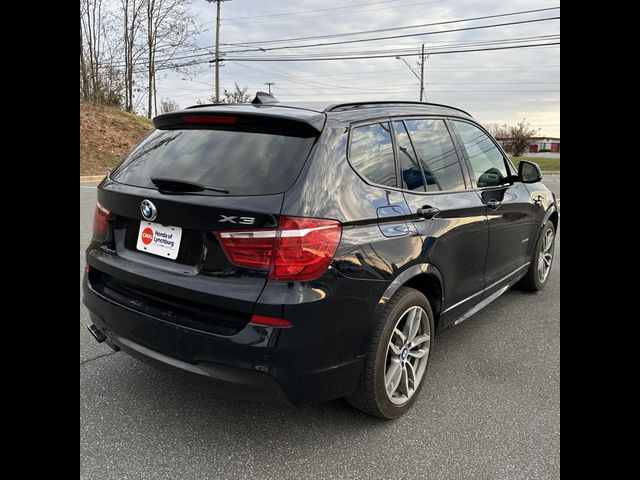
[372, 153]
[437, 155]
[487, 162]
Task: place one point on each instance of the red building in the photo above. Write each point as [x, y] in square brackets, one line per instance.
[538, 144]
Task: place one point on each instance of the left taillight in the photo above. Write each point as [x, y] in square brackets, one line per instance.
[300, 249]
[101, 218]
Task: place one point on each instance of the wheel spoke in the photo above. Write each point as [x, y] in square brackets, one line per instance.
[419, 353]
[405, 380]
[393, 377]
[402, 336]
[411, 375]
[548, 241]
[415, 326]
[408, 323]
[394, 348]
[419, 340]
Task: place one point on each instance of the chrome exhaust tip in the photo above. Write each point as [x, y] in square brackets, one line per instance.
[97, 333]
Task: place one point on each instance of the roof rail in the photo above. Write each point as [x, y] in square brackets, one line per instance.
[346, 106]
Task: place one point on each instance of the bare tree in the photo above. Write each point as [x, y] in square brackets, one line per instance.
[90, 29]
[132, 12]
[237, 95]
[169, 26]
[84, 77]
[168, 105]
[100, 80]
[497, 130]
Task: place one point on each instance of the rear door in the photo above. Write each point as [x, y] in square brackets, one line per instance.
[508, 202]
[254, 160]
[448, 214]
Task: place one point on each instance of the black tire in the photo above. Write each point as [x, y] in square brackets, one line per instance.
[532, 281]
[370, 395]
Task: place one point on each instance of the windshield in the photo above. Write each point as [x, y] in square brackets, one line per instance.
[245, 163]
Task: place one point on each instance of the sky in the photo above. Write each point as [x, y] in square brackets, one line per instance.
[501, 86]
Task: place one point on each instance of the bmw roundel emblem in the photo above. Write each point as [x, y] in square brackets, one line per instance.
[148, 210]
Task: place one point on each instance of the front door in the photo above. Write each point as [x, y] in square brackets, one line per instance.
[508, 204]
[448, 214]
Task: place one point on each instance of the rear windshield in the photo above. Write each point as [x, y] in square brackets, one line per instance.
[245, 163]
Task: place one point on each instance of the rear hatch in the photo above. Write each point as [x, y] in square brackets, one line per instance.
[199, 173]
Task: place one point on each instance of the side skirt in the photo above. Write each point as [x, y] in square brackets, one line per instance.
[479, 306]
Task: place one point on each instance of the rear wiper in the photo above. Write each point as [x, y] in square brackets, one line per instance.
[171, 185]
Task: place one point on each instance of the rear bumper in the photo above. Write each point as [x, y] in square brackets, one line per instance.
[258, 363]
[229, 381]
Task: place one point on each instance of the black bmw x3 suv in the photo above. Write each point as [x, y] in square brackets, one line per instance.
[302, 255]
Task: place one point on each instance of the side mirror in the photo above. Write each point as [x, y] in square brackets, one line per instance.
[529, 172]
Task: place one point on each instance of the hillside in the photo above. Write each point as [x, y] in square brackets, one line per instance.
[106, 135]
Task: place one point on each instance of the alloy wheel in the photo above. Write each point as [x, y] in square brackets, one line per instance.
[407, 355]
[546, 256]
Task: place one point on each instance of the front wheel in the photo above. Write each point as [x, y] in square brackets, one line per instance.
[538, 273]
[398, 355]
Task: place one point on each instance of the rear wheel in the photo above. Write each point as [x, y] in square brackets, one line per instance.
[396, 363]
[538, 273]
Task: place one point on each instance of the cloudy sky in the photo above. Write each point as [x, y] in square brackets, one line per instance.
[494, 86]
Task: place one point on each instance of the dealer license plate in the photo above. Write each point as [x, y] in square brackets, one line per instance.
[161, 240]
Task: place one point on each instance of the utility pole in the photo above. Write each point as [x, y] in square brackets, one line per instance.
[217, 60]
[419, 77]
[269, 85]
[422, 75]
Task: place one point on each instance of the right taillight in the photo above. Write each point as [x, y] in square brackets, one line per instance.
[300, 249]
[101, 222]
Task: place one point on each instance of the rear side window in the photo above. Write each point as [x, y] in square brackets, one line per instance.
[372, 153]
[245, 163]
[410, 174]
[486, 160]
[437, 155]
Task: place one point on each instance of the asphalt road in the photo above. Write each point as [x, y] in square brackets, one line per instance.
[490, 410]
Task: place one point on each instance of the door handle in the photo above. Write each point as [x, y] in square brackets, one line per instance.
[428, 211]
[493, 203]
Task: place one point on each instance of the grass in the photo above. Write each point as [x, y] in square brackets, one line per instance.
[546, 164]
[106, 135]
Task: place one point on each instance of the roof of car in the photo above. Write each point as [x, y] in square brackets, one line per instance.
[306, 111]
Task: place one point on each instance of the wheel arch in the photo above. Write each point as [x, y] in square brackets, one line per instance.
[423, 277]
[553, 215]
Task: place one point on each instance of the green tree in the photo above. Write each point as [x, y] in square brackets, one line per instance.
[520, 136]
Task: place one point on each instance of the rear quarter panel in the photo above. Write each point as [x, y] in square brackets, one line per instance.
[339, 324]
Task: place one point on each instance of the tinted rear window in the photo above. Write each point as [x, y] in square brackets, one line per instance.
[245, 163]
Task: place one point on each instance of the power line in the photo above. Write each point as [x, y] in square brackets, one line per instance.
[312, 11]
[359, 11]
[369, 31]
[437, 91]
[184, 57]
[379, 30]
[421, 34]
[308, 59]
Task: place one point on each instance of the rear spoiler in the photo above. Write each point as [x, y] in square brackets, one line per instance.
[232, 119]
